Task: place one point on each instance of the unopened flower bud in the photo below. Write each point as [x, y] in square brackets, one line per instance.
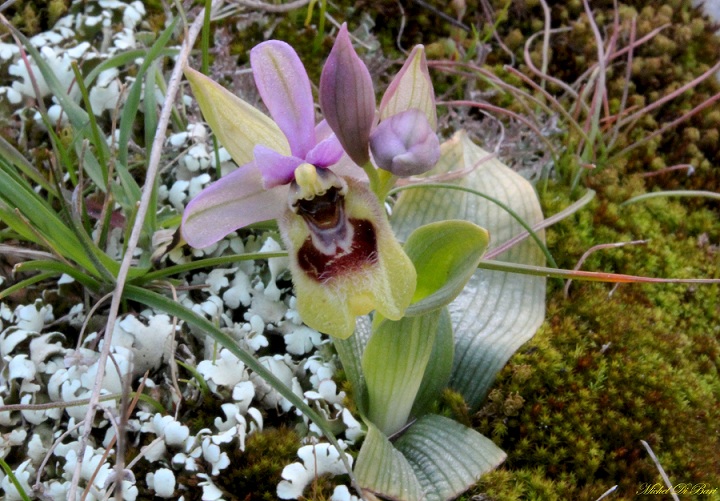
[405, 144]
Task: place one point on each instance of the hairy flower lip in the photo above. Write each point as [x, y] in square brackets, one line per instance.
[348, 273]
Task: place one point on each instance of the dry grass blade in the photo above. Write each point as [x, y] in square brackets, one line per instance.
[545, 223]
[497, 109]
[152, 170]
[594, 249]
[661, 470]
[684, 88]
[607, 492]
[274, 8]
[687, 167]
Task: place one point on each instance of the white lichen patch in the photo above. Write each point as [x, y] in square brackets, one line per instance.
[50, 360]
[150, 344]
[319, 459]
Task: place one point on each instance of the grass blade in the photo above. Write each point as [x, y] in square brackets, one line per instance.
[26, 283]
[587, 276]
[132, 103]
[155, 300]
[10, 154]
[672, 193]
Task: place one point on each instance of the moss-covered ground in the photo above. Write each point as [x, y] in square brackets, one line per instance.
[614, 366]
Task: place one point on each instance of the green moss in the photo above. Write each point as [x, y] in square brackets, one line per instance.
[611, 367]
[56, 9]
[607, 374]
[32, 16]
[525, 484]
[256, 472]
[453, 405]
[29, 19]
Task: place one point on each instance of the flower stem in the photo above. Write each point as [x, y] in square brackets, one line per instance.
[386, 182]
[381, 181]
[372, 175]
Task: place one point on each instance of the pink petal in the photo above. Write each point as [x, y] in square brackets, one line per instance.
[347, 98]
[285, 89]
[347, 168]
[322, 130]
[343, 167]
[232, 202]
[326, 152]
[276, 169]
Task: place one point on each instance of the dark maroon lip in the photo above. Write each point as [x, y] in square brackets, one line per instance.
[362, 252]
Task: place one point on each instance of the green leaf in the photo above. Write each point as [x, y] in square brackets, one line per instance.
[132, 102]
[151, 121]
[13, 479]
[9, 153]
[206, 263]
[439, 367]
[445, 255]
[123, 59]
[350, 351]
[15, 193]
[23, 284]
[95, 135]
[447, 457]
[382, 470]
[435, 378]
[90, 164]
[16, 224]
[58, 268]
[79, 118]
[497, 311]
[394, 364]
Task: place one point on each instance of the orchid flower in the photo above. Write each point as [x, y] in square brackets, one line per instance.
[404, 142]
[344, 258]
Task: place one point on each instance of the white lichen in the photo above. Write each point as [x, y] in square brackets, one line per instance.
[318, 459]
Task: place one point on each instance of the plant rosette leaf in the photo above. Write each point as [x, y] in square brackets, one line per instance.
[445, 255]
[381, 469]
[350, 351]
[497, 311]
[447, 457]
[436, 374]
[394, 364]
[436, 459]
[439, 367]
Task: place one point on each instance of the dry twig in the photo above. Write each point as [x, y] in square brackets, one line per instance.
[152, 170]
